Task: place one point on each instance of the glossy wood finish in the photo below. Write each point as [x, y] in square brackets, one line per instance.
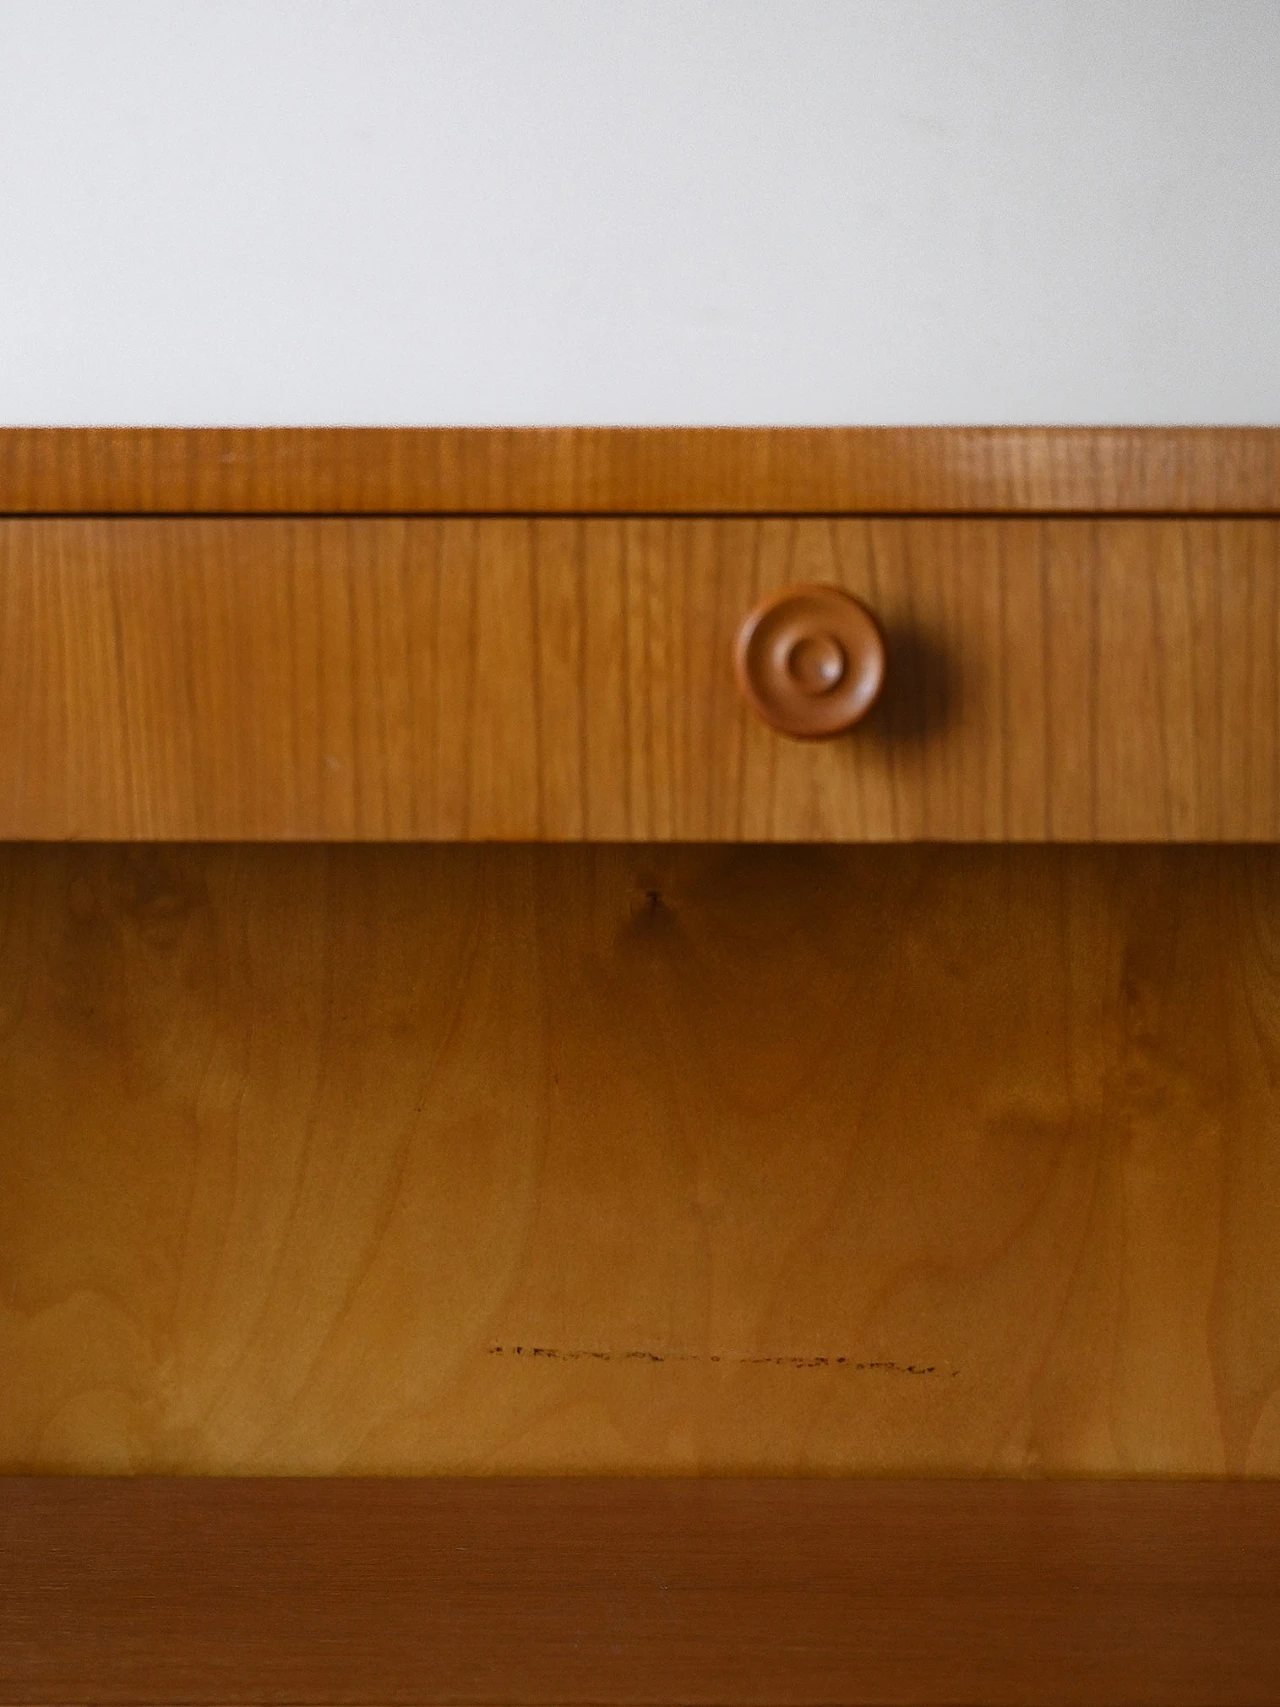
[797, 1593]
[762, 1161]
[641, 470]
[810, 661]
[571, 679]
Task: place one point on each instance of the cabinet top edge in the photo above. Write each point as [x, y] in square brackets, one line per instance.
[639, 470]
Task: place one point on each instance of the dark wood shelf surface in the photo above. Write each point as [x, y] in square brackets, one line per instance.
[581, 1591]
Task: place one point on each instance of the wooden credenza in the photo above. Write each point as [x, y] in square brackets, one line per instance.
[447, 1037]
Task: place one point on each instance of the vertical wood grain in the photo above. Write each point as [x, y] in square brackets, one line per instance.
[881, 1160]
[517, 679]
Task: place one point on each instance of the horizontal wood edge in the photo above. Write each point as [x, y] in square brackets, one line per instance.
[639, 470]
[629, 1591]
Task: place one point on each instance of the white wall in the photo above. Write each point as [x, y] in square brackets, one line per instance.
[639, 210]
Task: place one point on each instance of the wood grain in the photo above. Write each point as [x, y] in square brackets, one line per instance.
[571, 1160]
[797, 1593]
[507, 679]
[787, 470]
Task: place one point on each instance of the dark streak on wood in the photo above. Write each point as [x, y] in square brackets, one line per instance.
[790, 1360]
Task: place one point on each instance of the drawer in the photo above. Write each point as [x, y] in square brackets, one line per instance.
[570, 678]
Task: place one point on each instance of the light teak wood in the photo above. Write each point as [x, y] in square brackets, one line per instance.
[415, 1160]
[782, 1594]
[546, 470]
[572, 679]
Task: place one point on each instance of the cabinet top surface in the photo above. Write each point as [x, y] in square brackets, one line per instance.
[637, 470]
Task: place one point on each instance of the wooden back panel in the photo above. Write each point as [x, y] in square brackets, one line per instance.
[752, 1161]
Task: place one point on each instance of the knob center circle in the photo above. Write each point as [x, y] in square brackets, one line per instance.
[816, 663]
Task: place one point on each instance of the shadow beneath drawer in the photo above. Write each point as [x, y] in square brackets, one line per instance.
[922, 689]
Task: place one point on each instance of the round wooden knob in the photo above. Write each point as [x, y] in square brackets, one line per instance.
[810, 660]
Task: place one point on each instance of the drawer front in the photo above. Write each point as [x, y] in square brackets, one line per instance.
[475, 679]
